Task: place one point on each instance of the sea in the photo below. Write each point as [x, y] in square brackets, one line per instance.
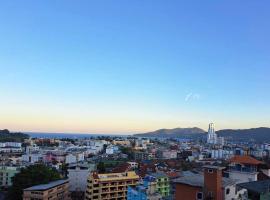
[73, 135]
[91, 135]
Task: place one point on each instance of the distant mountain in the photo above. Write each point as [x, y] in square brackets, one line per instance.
[261, 134]
[6, 136]
[176, 132]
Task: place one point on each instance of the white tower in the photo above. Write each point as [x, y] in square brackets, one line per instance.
[211, 136]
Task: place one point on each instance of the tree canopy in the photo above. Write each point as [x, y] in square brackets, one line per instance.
[6, 136]
[101, 167]
[30, 176]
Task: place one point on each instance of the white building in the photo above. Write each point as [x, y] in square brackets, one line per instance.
[94, 146]
[221, 154]
[169, 154]
[10, 147]
[231, 192]
[32, 158]
[32, 148]
[220, 140]
[92, 150]
[141, 144]
[112, 149]
[266, 146]
[11, 144]
[211, 136]
[134, 165]
[74, 158]
[10, 150]
[77, 175]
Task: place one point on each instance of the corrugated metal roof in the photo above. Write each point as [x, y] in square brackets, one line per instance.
[46, 186]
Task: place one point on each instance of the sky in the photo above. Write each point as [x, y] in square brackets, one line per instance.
[120, 66]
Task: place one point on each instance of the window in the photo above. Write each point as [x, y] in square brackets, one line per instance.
[38, 193]
[210, 171]
[228, 191]
[51, 190]
[199, 195]
[59, 187]
[210, 194]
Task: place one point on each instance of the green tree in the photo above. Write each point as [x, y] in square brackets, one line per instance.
[30, 176]
[128, 151]
[101, 167]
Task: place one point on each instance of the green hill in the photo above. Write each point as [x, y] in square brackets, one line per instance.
[6, 136]
[261, 134]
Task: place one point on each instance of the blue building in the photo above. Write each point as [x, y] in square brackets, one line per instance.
[147, 190]
[137, 193]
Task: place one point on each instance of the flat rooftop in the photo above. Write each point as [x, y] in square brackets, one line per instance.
[130, 174]
[256, 186]
[198, 180]
[46, 186]
[213, 167]
[159, 175]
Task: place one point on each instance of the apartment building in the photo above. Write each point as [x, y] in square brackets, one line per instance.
[74, 158]
[10, 147]
[146, 190]
[56, 190]
[6, 173]
[121, 142]
[163, 183]
[243, 169]
[110, 186]
[77, 175]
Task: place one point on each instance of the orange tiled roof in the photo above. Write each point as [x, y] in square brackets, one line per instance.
[173, 174]
[245, 160]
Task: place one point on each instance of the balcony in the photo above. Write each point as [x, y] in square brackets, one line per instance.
[105, 196]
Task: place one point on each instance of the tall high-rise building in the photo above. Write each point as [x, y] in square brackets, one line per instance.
[211, 136]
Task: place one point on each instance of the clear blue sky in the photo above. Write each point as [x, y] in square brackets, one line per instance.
[133, 66]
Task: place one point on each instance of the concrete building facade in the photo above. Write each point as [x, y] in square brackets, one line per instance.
[56, 190]
[110, 186]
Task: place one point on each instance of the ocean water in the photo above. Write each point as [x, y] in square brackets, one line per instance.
[72, 135]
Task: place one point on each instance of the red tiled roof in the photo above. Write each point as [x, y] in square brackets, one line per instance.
[173, 174]
[245, 160]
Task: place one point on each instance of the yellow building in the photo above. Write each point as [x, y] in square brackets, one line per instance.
[110, 186]
[121, 142]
